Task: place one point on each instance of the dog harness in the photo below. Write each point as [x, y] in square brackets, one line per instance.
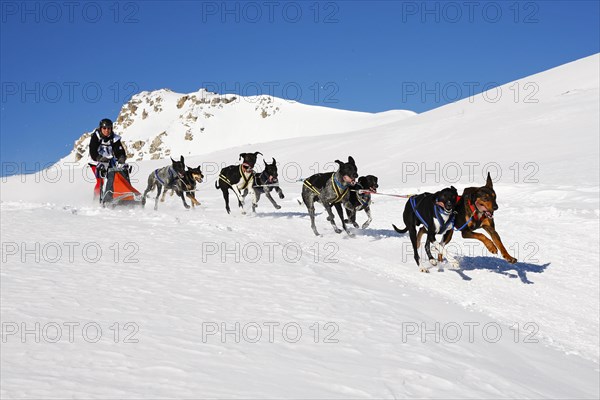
[363, 199]
[262, 178]
[171, 176]
[247, 180]
[474, 212]
[339, 189]
[473, 216]
[438, 215]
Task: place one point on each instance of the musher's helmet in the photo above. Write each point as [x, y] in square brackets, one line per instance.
[106, 123]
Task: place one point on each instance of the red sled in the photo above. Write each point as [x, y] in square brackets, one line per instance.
[118, 190]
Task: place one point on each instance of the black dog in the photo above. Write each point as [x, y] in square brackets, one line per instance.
[167, 177]
[330, 189]
[436, 213]
[187, 185]
[238, 178]
[264, 182]
[358, 201]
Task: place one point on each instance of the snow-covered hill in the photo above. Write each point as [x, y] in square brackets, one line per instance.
[183, 279]
[157, 124]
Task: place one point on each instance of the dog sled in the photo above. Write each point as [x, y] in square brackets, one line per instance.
[116, 189]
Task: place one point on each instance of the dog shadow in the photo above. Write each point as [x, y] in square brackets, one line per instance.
[283, 214]
[500, 266]
[377, 234]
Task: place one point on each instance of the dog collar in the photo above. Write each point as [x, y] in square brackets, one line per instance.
[475, 211]
[340, 185]
[340, 190]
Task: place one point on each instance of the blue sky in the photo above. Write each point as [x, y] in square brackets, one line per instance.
[66, 65]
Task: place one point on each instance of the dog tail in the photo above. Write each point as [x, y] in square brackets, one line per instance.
[217, 184]
[400, 230]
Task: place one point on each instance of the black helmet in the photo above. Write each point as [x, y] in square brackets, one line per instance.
[106, 123]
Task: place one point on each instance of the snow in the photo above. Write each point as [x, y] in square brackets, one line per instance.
[206, 122]
[173, 274]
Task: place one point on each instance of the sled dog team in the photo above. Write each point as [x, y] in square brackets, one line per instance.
[429, 214]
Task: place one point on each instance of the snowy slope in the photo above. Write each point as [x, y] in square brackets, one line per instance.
[182, 277]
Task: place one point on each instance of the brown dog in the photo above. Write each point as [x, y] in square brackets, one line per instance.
[475, 210]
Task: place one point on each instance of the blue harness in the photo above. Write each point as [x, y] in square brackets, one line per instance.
[438, 215]
[171, 176]
[465, 225]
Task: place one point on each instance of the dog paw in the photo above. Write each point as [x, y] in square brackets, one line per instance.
[187, 206]
[278, 207]
[510, 259]
[492, 248]
[425, 270]
[281, 196]
[338, 230]
[365, 225]
[433, 262]
[355, 224]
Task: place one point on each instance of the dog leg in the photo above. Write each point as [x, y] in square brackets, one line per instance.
[237, 193]
[149, 188]
[412, 233]
[420, 235]
[352, 217]
[254, 205]
[445, 240]
[310, 206]
[271, 199]
[193, 200]
[428, 242]
[185, 204]
[498, 242]
[279, 192]
[369, 218]
[331, 218]
[254, 199]
[158, 190]
[444, 252]
[162, 199]
[482, 238]
[225, 190]
[340, 211]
